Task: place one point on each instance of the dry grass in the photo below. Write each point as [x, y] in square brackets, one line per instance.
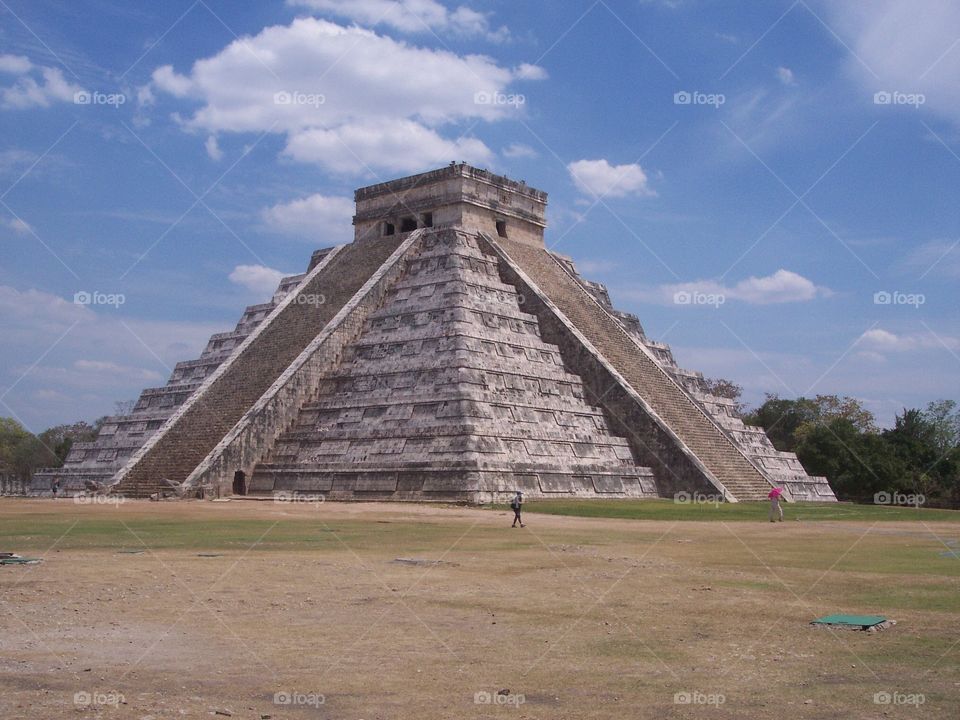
[583, 617]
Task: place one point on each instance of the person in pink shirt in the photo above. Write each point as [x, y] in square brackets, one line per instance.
[776, 512]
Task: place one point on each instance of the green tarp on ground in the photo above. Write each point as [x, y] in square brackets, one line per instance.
[857, 621]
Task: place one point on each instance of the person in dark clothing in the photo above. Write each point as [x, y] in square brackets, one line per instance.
[517, 504]
[56, 486]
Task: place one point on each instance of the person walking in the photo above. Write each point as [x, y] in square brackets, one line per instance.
[517, 504]
[56, 485]
[776, 512]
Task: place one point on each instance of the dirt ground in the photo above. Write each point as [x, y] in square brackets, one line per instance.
[372, 611]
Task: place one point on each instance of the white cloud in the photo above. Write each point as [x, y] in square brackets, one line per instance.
[785, 75]
[257, 278]
[349, 99]
[35, 307]
[36, 86]
[601, 179]
[18, 226]
[15, 64]
[317, 218]
[213, 148]
[903, 46]
[880, 341]
[519, 150]
[90, 356]
[783, 286]
[526, 71]
[409, 16]
[390, 145]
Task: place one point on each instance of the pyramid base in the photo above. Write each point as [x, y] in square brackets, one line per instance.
[450, 485]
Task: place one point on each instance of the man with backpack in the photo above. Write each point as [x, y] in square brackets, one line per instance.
[516, 504]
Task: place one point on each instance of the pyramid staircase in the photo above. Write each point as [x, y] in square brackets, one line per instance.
[213, 410]
[450, 392]
[726, 465]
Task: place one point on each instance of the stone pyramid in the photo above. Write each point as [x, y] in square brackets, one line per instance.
[445, 354]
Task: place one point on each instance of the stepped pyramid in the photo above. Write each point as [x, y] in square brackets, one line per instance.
[444, 354]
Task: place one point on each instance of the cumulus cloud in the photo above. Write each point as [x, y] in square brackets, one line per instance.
[15, 64]
[317, 218]
[35, 85]
[783, 286]
[601, 179]
[526, 71]
[349, 99]
[257, 278]
[390, 145]
[880, 341]
[409, 16]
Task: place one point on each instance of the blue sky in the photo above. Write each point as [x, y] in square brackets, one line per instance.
[769, 186]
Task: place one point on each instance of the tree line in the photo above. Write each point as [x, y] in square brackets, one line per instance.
[838, 438]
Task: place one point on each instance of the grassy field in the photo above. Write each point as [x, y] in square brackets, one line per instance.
[734, 512]
[387, 611]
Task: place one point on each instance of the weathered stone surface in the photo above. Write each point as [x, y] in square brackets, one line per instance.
[450, 393]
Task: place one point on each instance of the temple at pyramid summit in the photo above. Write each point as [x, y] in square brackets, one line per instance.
[445, 354]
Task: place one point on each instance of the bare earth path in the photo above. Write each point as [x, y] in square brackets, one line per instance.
[384, 611]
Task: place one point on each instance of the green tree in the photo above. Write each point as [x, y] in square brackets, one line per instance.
[787, 422]
[725, 389]
[61, 438]
[923, 443]
[944, 417]
[857, 464]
